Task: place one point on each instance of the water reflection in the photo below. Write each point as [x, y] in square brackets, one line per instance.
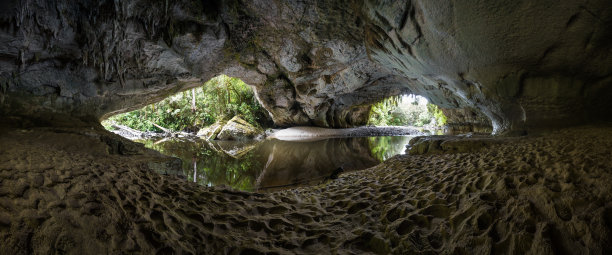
[273, 164]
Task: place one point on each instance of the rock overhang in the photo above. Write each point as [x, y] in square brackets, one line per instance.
[522, 64]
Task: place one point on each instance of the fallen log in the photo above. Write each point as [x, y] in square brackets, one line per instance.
[168, 131]
[127, 129]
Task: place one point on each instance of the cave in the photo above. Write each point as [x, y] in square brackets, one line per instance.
[525, 85]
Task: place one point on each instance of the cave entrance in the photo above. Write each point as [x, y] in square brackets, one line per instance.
[408, 110]
[218, 100]
[229, 148]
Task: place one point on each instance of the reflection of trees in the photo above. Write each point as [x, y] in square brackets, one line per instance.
[384, 147]
[223, 169]
[285, 162]
[213, 168]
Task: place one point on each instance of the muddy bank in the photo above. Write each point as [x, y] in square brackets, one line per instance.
[78, 193]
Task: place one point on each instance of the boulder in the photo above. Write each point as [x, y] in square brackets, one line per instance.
[238, 129]
[211, 132]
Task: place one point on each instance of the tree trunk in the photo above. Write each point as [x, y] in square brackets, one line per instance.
[168, 131]
[193, 100]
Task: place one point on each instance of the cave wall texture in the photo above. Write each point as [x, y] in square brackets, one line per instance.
[522, 64]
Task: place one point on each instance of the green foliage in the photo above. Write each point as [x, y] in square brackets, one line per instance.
[405, 111]
[384, 147]
[220, 98]
[437, 113]
[381, 112]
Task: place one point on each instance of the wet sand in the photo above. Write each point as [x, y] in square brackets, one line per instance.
[75, 192]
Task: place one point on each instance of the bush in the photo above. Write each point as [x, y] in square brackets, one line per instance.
[221, 97]
[437, 113]
[405, 111]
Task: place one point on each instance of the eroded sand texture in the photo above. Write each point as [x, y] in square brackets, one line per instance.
[63, 191]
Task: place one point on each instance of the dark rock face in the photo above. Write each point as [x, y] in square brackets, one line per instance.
[465, 120]
[522, 64]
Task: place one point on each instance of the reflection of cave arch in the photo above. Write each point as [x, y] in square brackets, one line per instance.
[313, 160]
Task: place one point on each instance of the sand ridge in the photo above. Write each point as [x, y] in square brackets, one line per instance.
[69, 192]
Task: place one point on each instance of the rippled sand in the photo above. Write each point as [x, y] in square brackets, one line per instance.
[93, 192]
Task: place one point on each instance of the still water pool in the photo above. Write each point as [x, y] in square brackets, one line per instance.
[272, 164]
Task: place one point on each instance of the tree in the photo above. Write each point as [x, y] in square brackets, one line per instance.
[221, 97]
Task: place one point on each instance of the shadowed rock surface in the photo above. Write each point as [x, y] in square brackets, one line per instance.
[466, 120]
[522, 64]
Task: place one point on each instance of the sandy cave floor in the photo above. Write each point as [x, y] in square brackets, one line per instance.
[92, 192]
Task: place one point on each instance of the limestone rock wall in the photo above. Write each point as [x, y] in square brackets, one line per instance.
[464, 120]
[522, 64]
[91, 59]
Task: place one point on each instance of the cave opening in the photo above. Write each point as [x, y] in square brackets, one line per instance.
[408, 110]
[525, 85]
[225, 137]
[216, 101]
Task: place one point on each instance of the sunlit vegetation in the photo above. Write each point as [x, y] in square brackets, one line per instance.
[437, 114]
[406, 111]
[221, 97]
